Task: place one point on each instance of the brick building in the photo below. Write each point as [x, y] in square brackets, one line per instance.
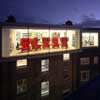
[46, 62]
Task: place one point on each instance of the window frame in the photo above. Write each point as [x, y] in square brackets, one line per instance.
[66, 56]
[44, 65]
[87, 76]
[84, 60]
[89, 34]
[21, 66]
[45, 91]
[23, 87]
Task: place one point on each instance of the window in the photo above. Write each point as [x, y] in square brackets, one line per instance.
[21, 86]
[96, 60]
[31, 41]
[21, 63]
[44, 65]
[85, 61]
[45, 88]
[66, 91]
[66, 76]
[89, 39]
[84, 75]
[74, 39]
[66, 56]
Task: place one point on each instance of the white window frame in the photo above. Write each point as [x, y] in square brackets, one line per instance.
[85, 61]
[44, 88]
[44, 65]
[87, 76]
[86, 39]
[21, 63]
[66, 56]
[21, 89]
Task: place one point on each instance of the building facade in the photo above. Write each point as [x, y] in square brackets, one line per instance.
[46, 62]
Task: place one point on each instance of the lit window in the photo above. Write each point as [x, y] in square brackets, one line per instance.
[85, 61]
[84, 75]
[89, 39]
[96, 60]
[21, 86]
[21, 63]
[44, 65]
[31, 41]
[66, 56]
[45, 88]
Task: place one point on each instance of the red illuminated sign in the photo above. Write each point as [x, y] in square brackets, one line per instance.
[32, 43]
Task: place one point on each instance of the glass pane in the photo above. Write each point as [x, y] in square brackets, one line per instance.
[44, 65]
[66, 56]
[22, 62]
[37, 41]
[44, 88]
[89, 39]
[21, 86]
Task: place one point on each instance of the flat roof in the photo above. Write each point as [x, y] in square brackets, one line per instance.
[43, 26]
[46, 26]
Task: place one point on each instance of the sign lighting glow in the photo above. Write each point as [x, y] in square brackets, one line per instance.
[36, 41]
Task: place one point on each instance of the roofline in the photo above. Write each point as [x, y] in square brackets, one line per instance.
[30, 25]
[90, 29]
[47, 26]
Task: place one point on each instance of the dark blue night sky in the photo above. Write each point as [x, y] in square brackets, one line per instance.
[52, 11]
